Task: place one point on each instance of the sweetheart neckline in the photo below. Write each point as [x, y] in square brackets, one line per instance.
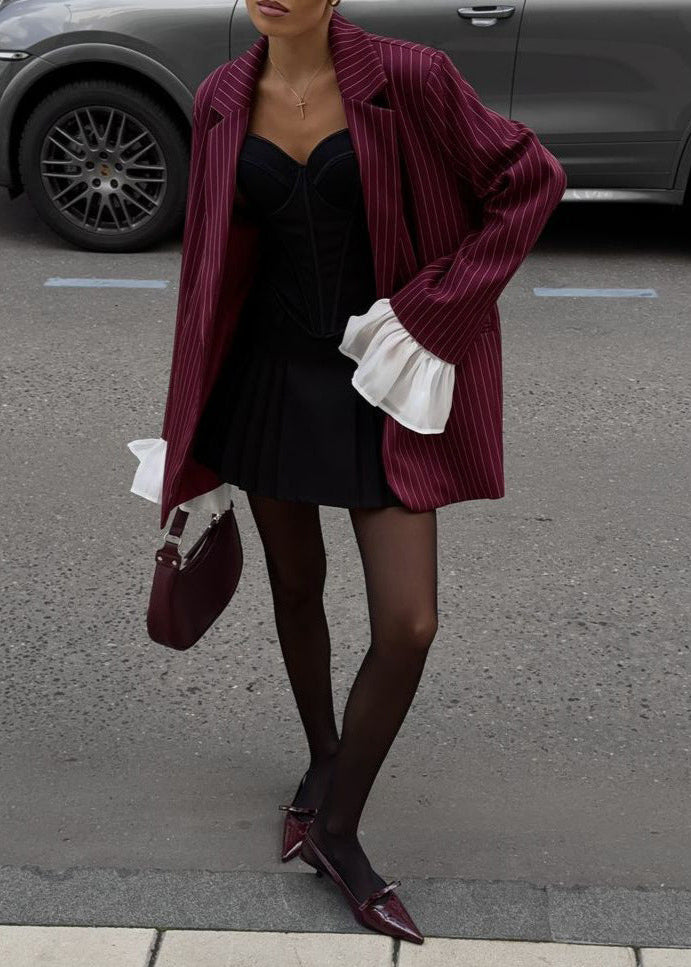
[251, 134]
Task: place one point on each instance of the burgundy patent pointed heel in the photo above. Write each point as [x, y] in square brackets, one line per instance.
[297, 822]
[389, 917]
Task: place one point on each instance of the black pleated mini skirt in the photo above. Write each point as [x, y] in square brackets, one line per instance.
[283, 419]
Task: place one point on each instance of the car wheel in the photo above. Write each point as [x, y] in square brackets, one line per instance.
[105, 166]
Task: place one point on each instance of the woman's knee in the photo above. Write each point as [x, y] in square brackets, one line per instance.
[295, 587]
[412, 633]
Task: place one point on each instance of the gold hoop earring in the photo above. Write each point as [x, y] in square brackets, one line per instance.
[334, 4]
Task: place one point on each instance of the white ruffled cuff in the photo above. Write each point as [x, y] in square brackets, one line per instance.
[395, 372]
[148, 479]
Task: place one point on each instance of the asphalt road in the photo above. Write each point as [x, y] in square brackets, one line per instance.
[550, 740]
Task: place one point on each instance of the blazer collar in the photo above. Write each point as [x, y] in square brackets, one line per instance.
[356, 59]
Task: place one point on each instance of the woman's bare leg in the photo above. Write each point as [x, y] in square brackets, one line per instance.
[399, 555]
[294, 549]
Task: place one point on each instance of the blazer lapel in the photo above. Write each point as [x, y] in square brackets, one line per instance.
[375, 140]
[360, 76]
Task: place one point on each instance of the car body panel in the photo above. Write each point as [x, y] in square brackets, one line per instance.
[485, 55]
[611, 79]
[606, 84]
[189, 39]
[170, 46]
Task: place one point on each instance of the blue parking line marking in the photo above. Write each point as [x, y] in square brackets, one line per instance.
[108, 283]
[602, 293]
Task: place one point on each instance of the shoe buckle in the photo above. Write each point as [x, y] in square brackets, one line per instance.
[380, 893]
[299, 809]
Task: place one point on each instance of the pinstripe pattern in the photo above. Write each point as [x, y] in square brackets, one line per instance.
[456, 195]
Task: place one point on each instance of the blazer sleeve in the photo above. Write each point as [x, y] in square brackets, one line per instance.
[192, 235]
[151, 452]
[518, 183]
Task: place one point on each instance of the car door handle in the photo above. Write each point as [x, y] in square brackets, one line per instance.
[485, 16]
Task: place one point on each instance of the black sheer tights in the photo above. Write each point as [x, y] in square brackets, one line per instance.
[398, 548]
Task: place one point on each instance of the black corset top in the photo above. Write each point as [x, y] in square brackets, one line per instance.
[315, 251]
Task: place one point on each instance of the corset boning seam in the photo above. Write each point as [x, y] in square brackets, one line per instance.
[341, 264]
[315, 263]
[312, 268]
[278, 177]
[325, 167]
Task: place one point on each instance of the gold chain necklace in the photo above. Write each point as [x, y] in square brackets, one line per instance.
[301, 99]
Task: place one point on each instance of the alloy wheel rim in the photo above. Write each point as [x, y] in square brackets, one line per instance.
[103, 169]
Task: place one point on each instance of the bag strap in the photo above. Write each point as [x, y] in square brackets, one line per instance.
[174, 535]
[168, 554]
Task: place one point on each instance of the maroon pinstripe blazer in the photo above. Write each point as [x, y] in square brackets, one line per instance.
[456, 195]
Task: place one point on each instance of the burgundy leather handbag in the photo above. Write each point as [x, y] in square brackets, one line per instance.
[190, 592]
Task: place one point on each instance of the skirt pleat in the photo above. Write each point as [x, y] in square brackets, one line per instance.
[283, 419]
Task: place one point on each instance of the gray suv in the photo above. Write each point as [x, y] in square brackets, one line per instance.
[96, 97]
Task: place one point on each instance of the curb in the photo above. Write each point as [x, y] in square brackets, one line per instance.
[298, 902]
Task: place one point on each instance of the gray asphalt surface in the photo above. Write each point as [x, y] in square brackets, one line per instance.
[550, 740]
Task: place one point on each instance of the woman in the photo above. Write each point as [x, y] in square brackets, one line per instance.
[353, 213]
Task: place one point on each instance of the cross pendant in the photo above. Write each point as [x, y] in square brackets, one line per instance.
[301, 104]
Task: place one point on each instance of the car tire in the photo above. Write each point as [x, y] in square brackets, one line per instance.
[105, 166]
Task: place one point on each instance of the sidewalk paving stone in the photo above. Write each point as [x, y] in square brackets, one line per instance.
[24, 946]
[62, 946]
[444, 952]
[250, 948]
[665, 957]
